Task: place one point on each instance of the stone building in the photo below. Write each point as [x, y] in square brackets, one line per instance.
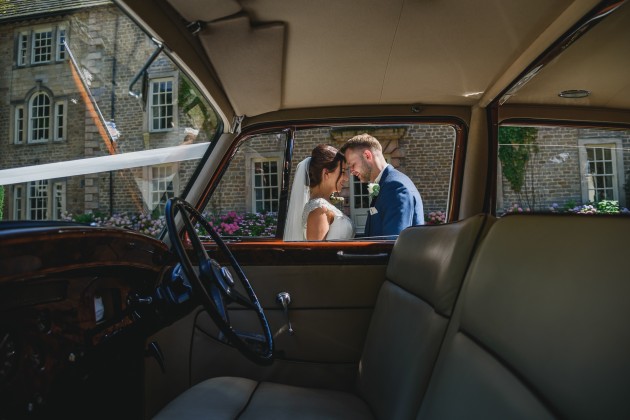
[54, 108]
[64, 79]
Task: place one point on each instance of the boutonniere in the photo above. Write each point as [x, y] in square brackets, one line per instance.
[373, 189]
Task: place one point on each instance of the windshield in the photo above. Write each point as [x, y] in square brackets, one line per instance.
[98, 125]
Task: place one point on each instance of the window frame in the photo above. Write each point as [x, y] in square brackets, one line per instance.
[58, 194]
[29, 199]
[19, 124]
[18, 202]
[172, 78]
[61, 34]
[33, 116]
[60, 124]
[616, 160]
[174, 183]
[22, 49]
[51, 47]
[251, 165]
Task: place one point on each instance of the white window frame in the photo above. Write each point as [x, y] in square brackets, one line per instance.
[158, 186]
[36, 56]
[58, 200]
[34, 116]
[155, 110]
[615, 147]
[18, 202]
[59, 118]
[41, 186]
[19, 122]
[22, 49]
[265, 189]
[60, 50]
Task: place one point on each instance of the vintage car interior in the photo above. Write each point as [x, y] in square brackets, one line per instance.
[513, 118]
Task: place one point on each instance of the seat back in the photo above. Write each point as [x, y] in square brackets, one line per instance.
[540, 327]
[424, 275]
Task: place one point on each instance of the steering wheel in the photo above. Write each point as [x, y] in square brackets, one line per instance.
[214, 286]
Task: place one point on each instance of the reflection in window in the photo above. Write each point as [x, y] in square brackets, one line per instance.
[60, 116]
[38, 200]
[601, 175]
[22, 49]
[161, 105]
[42, 46]
[40, 118]
[562, 169]
[18, 136]
[162, 188]
[59, 200]
[18, 197]
[266, 185]
[61, 48]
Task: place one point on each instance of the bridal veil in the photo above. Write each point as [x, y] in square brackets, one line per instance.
[294, 227]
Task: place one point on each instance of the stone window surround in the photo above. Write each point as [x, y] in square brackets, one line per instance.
[25, 54]
[24, 126]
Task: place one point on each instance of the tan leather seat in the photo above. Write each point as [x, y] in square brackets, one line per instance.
[541, 327]
[410, 317]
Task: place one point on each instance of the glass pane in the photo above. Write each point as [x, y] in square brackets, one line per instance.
[555, 175]
[607, 154]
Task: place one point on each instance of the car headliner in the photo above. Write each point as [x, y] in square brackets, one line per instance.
[263, 56]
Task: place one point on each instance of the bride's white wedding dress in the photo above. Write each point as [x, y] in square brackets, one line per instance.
[340, 229]
[300, 205]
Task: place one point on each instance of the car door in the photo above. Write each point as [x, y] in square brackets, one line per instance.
[331, 285]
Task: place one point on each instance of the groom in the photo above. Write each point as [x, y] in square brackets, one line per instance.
[395, 203]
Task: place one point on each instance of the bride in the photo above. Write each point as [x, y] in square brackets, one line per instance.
[311, 215]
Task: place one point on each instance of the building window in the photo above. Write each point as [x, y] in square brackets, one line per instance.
[61, 48]
[44, 200]
[42, 46]
[600, 160]
[162, 182]
[22, 49]
[60, 118]
[38, 200]
[39, 128]
[59, 200]
[161, 108]
[18, 197]
[18, 135]
[266, 183]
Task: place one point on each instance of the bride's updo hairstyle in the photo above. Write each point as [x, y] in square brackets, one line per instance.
[324, 157]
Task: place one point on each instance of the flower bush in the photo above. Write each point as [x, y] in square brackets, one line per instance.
[246, 224]
[142, 222]
[435, 218]
[230, 224]
[601, 207]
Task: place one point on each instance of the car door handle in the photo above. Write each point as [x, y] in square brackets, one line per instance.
[353, 257]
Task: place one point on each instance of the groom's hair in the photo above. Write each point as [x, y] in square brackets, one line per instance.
[362, 142]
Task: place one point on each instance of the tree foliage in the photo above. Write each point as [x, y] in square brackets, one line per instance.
[516, 145]
[1, 200]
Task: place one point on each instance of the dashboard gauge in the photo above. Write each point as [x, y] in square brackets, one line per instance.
[8, 356]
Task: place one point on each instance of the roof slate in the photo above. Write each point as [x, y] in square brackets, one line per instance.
[24, 9]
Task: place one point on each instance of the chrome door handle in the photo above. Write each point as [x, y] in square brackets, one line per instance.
[353, 257]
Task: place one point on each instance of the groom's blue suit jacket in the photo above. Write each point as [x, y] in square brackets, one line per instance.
[398, 205]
